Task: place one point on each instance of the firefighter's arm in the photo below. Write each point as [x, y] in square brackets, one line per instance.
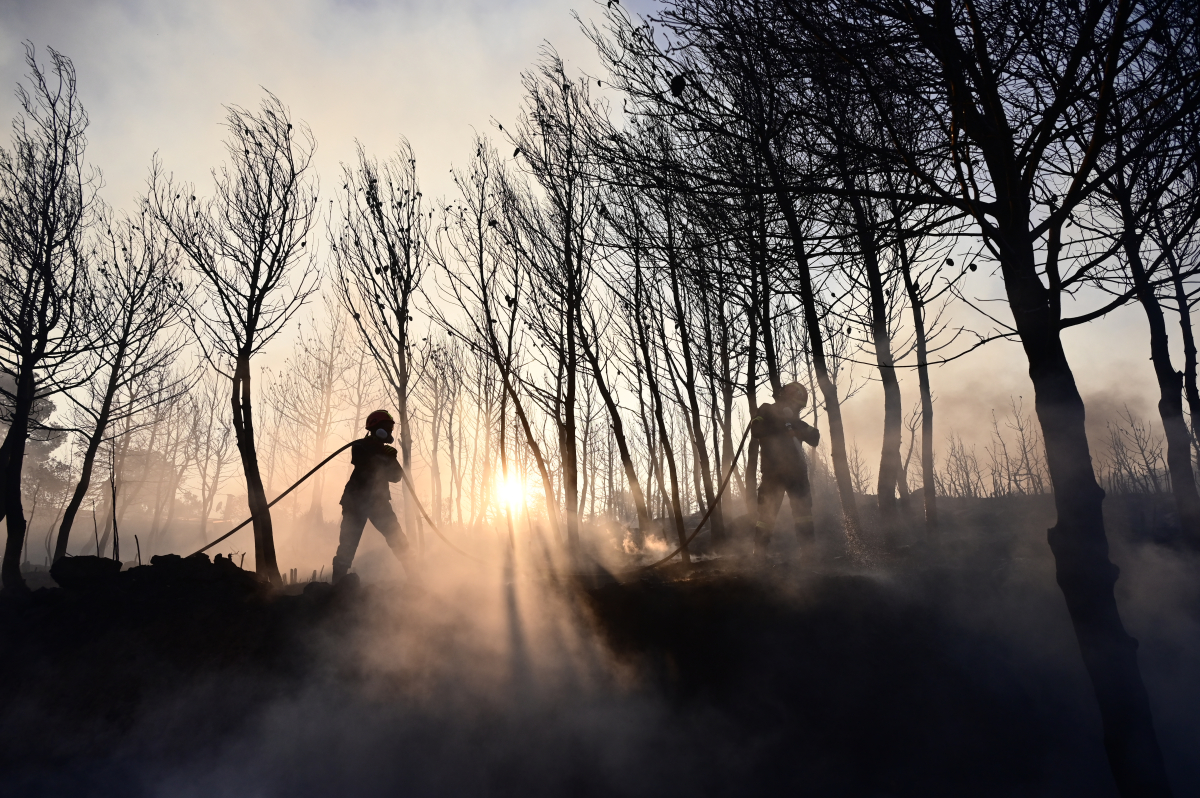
[393, 470]
[758, 425]
[806, 432]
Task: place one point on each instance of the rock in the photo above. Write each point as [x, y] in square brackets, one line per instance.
[85, 573]
[170, 571]
[318, 589]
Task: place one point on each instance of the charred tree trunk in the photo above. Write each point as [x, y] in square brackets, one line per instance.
[752, 402]
[720, 426]
[89, 460]
[1078, 541]
[656, 403]
[1184, 307]
[570, 454]
[635, 487]
[694, 422]
[889, 458]
[265, 563]
[12, 459]
[928, 478]
[668, 454]
[726, 382]
[767, 325]
[812, 322]
[1170, 390]
[653, 472]
[119, 456]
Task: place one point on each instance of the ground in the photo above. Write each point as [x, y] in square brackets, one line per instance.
[935, 669]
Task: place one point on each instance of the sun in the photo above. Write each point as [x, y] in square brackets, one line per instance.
[511, 491]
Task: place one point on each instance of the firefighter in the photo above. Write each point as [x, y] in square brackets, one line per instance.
[778, 429]
[367, 496]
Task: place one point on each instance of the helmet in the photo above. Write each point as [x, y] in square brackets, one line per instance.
[380, 418]
[793, 392]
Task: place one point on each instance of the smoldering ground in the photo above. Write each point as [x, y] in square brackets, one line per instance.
[933, 671]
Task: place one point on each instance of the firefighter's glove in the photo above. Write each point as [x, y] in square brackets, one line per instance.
[390, 451]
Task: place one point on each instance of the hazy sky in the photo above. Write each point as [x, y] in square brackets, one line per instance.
[154, 77]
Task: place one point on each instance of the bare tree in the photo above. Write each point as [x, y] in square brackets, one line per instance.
[551, 140]
[721, 88]
[379, 251]
[920, 265]
[1142, 195]
[249, 246]
[177, 455]
[486, 254]
[45, 318]
[138, 283]
[441, 383]
[1134, 461]
[307, 391]
[211, 434]
[1003, 112]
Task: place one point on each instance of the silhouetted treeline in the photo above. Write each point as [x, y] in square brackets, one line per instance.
[751, 194]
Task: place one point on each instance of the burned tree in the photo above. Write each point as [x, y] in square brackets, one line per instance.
[1182, 262]
[919, 260]
[1147, 198]
[46, 319]
[484, 251]
[551, 142]
[210, 437]
[720, 87]
[379, 254]
[305, 394]
[1003, 112]
[866, 231]
[644, 316]
[137, 281]
[249, 246]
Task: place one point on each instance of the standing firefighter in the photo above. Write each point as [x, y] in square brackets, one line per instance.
[368, 497]
[778, 429]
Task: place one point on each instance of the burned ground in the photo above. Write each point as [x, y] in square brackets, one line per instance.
[948, 670]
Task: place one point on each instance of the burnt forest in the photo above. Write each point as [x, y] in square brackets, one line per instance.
[766, 397]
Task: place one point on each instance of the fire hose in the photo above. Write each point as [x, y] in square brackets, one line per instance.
[277, 499]
[412, 492]
[314, 470]
[716, 501]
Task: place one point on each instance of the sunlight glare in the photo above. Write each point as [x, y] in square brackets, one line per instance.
[511, 491]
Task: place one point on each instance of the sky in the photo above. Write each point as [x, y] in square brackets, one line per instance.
[154, 77]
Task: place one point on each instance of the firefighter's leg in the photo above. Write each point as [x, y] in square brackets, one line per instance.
[800, 498]
[353, 520]
[383, 518]
[770, 498]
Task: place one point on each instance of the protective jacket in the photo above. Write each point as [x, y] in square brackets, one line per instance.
[777, 427]
[778, 430]
[375, 465]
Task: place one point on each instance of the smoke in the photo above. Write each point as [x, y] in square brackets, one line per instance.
[469, 684]
[952, 670]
